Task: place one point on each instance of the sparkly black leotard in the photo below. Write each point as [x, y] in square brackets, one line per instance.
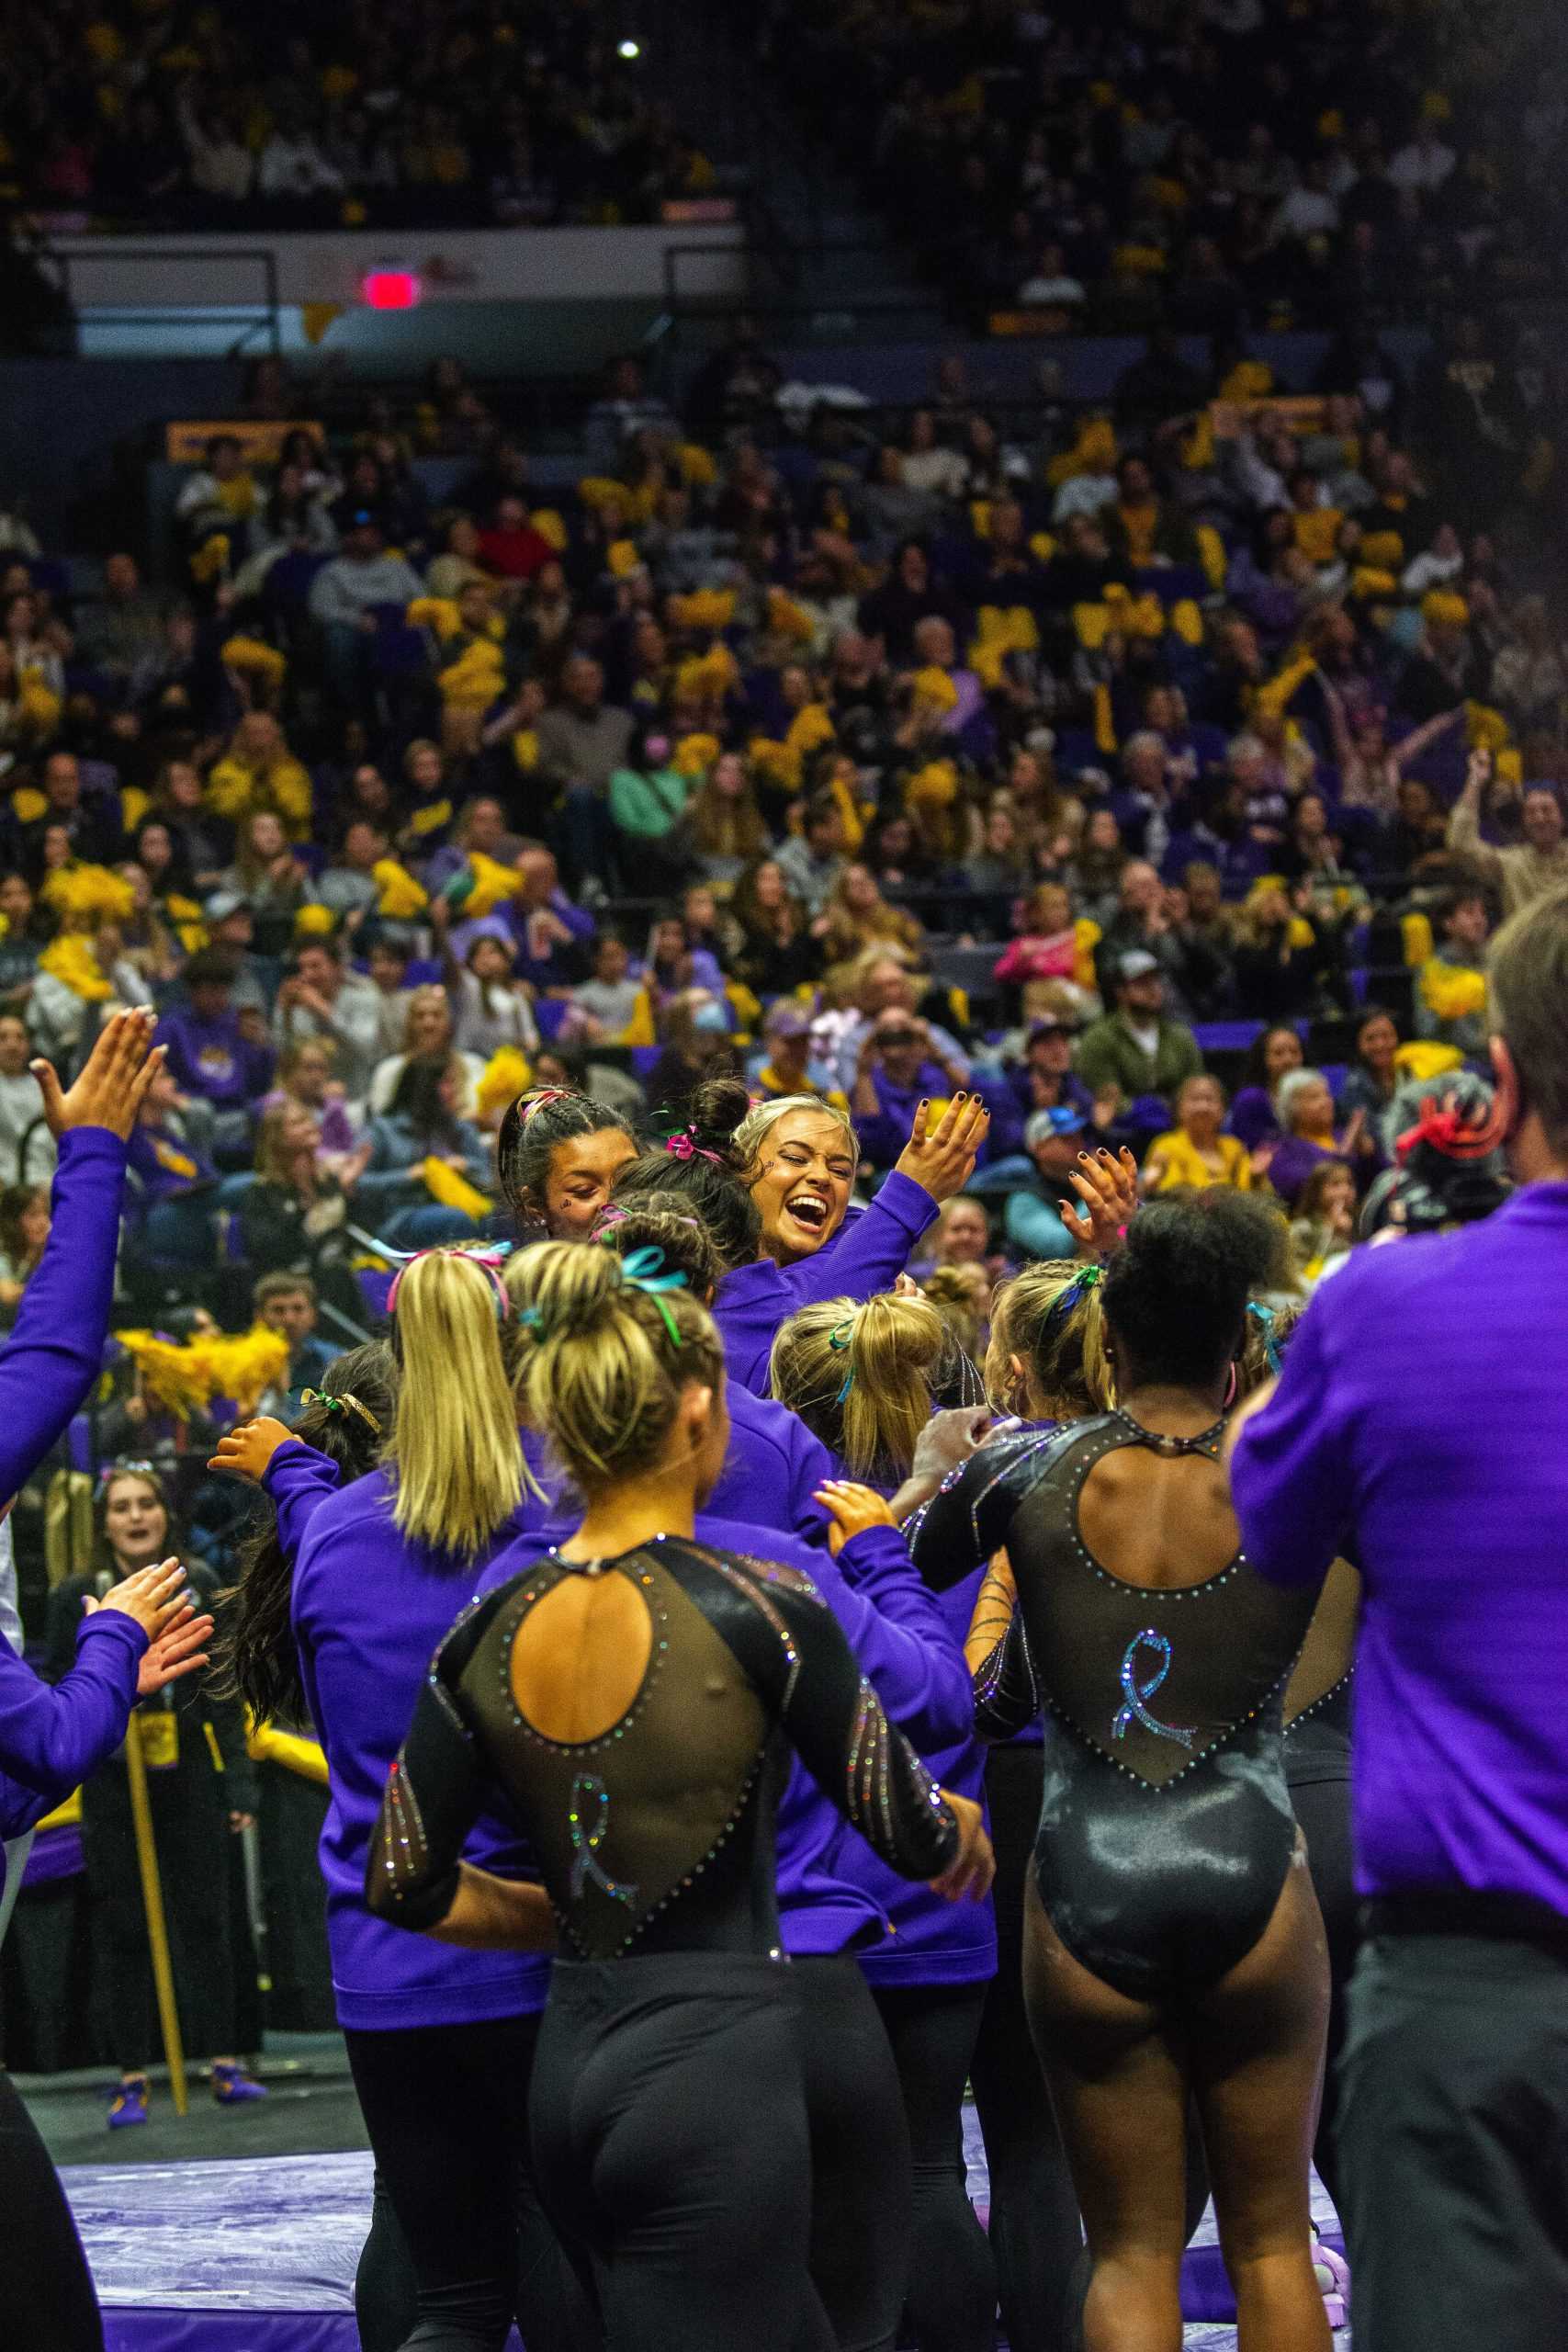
[1166, 1829]
[668, 2101]
[658, 1833]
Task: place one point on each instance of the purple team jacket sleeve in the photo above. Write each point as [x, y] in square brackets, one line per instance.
[57, 1346]
[1292, 1474]
[299, 1479]
[53, 1734]
[897, 1632]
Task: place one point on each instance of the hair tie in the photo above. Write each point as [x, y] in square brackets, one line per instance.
[488, 1259]
[641, 1270]
[1265, 1315]
[344, 1404]
[125, 1468]
[539, 1100]
[1072, 1295]
[685, 1146]
[611, 1214]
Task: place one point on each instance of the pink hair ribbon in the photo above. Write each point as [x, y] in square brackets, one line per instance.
[488, 1262]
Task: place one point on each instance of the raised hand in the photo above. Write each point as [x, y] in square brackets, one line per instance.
[113, 1082]
[245, 1451]
[943, 1160]
[154, 1597]
[1108, 1187]
[180, 1649]
[1478, 771]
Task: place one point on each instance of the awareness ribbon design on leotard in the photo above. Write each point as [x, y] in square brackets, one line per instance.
[1136, 1710]
[587, 1839]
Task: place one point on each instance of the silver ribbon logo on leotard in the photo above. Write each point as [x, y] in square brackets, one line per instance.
[1134, 1711]
[587, 1836]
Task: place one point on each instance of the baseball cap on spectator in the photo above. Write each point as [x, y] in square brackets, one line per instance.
[1064, 1119]
[222, 904]
[789, 1021]
[1136, 964]
[1051, 1024]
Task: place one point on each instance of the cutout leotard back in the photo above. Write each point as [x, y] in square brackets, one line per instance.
[657, 1833]
[1166, 1829]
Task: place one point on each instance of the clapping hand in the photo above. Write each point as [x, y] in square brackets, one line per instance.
[246, 1451]
[156, 1600]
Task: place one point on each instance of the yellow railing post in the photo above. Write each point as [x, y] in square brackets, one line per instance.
[153, 1902]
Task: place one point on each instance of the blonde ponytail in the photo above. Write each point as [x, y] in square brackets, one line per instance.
[860, 1375]
[454, 1447]
[604, 1360]
[1058, 1338]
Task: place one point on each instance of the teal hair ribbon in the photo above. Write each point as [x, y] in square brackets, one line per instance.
[838, 1339]
[643, 1270]
[1265, 1315]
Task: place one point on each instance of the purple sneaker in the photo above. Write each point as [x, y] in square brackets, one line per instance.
[129, 2103]
[232, 2087]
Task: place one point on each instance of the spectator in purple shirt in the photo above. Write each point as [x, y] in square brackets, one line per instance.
[1420, 1428]
[551, 933]
[212, 1051]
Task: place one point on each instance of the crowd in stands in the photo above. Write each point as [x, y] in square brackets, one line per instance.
[384, 113]
[1203, 164]
[1116, 769]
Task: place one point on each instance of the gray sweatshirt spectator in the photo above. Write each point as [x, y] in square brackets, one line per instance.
[582, 739]
[319, 999]
[364, 575]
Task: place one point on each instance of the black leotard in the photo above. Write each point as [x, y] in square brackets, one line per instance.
[659, 1834]
[1167, 1828]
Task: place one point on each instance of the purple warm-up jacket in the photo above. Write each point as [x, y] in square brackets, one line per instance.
[771, 1472]
[866, 1255]
[897, 1633]
[931, 1941]
[369, 1610]
[50, 1739]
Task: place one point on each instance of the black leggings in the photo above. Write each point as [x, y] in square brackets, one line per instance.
[190, 1823]
[1322, 1809]
[862, 2191]
[670, 2139]
[1035, 2232]
[446, 2108]
[951, 2300]
[46, 2291]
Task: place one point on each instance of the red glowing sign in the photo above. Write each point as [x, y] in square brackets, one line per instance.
[390, 290]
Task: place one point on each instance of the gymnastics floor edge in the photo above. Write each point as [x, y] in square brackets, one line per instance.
[258, 2255]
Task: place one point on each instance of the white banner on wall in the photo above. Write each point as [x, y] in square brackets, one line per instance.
[224, 273]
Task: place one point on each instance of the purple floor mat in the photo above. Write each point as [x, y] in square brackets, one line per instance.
[259, 2256]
